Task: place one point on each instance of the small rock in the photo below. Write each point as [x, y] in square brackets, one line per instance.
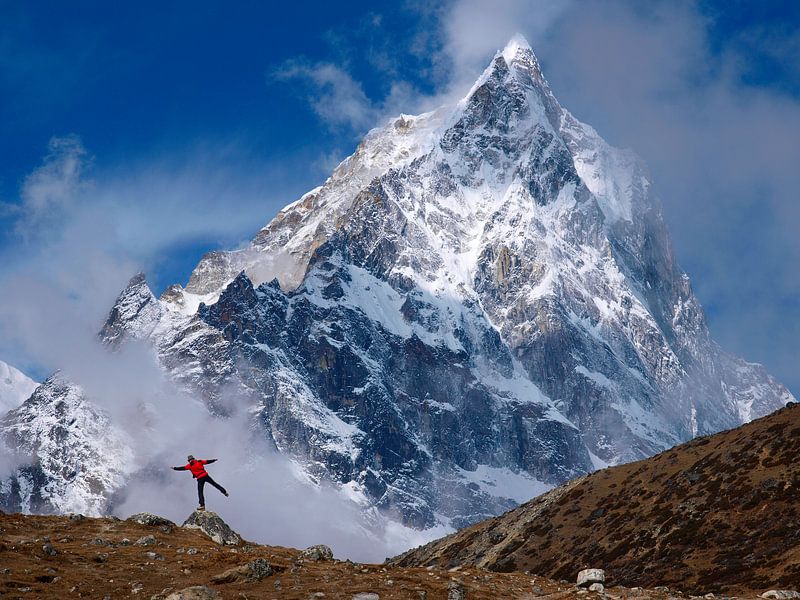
[366, 596]
[317, 553]
[147, 540]
[537, 589]
[589, 576]
[191, 551]
[780, 594]
[197, 592]
[136, 587]
[101, 558]
[661, 588]
[49, 550]
[709, 596]
[277, 584]
[455, 591]
[255, 570]
[76, 517]
[99, 542]
[124, 542]
[162, 594]
[150, 519]
[597, 587]
[154, 556]
[317, 595]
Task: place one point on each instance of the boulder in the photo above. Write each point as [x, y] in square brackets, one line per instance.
[597, 587]
[150, 519]
[781, 594]
[316, 553]
[213, 526]
[196, 592]
[255, 570]
[147, 540]
[456, 591]
[366, 596]
[589, 576]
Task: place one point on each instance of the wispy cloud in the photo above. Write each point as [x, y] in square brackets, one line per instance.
[54, 186]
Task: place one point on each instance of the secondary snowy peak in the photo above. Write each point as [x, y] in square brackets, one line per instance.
[71, 457]
[15, 387]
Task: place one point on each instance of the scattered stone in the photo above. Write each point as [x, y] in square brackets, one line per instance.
[196, 592]
[597, 587]
[101, 558]
[162, 594]
[277, 584]
[589, 576]
[191, 551]
[150, 519]
[154, 556]
[317, 595]
[49, 550]
[99, 542]
[661, 588]
[255, 570]
[366, 596]
[214, 527]
[537, 589]
[781, 594]
[136, 587]
[76, 517]
[317, 553]
[455, 591]
[709, 596]
[147, 540]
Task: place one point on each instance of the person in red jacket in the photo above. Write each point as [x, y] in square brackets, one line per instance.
[199, 472]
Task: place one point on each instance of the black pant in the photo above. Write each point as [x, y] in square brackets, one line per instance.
[201, 482]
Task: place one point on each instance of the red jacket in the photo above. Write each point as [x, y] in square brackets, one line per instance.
[196, 467]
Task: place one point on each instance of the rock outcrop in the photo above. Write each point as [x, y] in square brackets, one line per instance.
[214, 527]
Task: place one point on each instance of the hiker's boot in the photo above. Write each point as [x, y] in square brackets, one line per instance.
[201, 507]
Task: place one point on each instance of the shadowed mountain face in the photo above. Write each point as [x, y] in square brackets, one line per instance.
[479, 304]
[716, 514]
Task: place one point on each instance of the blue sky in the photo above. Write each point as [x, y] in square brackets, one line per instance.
[138, 136]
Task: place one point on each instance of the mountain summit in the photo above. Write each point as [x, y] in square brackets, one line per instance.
[480, 303]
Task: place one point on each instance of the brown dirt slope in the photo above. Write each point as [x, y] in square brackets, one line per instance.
[45, 557]
[717, 514]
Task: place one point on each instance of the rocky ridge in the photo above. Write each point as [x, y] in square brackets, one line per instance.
[717, 514]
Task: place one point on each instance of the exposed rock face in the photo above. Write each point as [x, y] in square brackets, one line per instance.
[72, 457]
[214, 527]
[480, 303]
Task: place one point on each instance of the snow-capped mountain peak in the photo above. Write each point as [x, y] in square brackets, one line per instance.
[481, 300]
[15, 387]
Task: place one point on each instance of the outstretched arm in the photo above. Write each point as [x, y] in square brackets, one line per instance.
[178, 468]
[209, 461]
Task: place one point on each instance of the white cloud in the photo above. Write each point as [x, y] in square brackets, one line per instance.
[54, 185]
